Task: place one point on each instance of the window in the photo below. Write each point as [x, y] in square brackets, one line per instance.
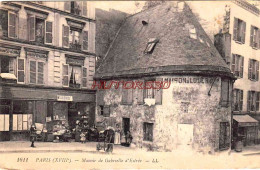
[106, 111]
[127, 96]
[74, 40]
[151, 93]
[4, 118]
[237, 66]
[8, 24]
[101, 110]
[224, 135]
[253, 70]
[39, 30]
[36, 72]
[148, 131]
[75, 76]
[76, 7]
[84, 77]
[238, 99]
[193, 33]
[225, 92]
[22, 115]
[151, 45]
[8, 65]
[253, 99]
[20, 70]
[254, 37]
[239, 30]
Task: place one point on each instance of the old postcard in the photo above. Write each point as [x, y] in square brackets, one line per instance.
[129, 84]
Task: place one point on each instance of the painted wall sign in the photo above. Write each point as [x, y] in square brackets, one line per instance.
[64, 98]
[191, 80]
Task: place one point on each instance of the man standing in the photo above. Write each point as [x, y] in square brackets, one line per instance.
[32, 134]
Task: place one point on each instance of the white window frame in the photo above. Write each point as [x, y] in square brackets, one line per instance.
[17, 67]
[36, 83]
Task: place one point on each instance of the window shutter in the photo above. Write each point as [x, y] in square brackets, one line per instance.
[237, 60]
[241, 100]
[257, 101]
[243, 32]
[257, 38]
[84, 8]
[257, 70]
[48, 32]
[12, 66]
[65, 36]
[224, 91]
[248, 101]
[124, 96]
[84, 77]
[11, 25]
[235, 29]
[158, 93]
[233, 64]
[32, 72]
[129, 96]
[241, 66]
[140, 94]
[40, 73]
[20, 70]
[85, 40]
[31, 24]
[251, 36]
[65, 75]
[250, 68]
[67, 6]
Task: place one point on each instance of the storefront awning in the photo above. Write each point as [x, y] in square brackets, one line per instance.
[245, 120]
[8, 76]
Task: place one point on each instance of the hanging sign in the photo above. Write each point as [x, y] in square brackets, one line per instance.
[64, 98]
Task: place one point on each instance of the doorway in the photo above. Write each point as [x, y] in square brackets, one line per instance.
[126, 125]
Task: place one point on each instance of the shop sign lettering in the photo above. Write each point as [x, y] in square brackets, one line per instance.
[200, 80]
[64, 98]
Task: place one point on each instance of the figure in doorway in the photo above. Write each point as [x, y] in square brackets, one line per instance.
[128, 138]
[32, 134]
[117, 135]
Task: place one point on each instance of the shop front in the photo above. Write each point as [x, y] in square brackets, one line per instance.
[245, 128]
[50, 109]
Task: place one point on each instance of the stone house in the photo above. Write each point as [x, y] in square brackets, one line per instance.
[166, 43]
[47, 56]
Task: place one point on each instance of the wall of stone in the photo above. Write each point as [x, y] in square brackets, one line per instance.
[182, 103]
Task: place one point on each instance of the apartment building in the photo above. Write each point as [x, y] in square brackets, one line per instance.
[47, 63]
[237, 38]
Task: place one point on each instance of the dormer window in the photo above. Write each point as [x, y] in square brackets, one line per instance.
[151, 45]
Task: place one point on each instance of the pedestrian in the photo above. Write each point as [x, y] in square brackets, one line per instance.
[128, 138]
[32, 134]
[83, 137]
[117, 135]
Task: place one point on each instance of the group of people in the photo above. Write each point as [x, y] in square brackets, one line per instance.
[121, 137]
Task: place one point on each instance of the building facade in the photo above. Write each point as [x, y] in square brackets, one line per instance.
[166, 45]
[47, 56]
[237, 40]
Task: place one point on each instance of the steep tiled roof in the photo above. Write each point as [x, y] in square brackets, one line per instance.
[176, 51]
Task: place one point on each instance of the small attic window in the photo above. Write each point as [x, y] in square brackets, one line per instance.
[193, 33]
[151, 45]
[144, 22]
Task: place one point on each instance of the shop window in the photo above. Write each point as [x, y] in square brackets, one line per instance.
[237, 66]
[253, 70]
[22, 115]
[40, 30]
[238, 100]
[8, 24]
[239, 31]
[253, 99]
[151, 45]
[36, 72]
[4, 118]
[225, 94]
[148, 131]
[254, 37]
[224, 135]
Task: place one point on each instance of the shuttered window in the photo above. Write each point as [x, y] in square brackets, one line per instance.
[11, 25]
[152, 92]
[106, 111]
[85, 40]
[31, 24]
[239, 30]
[253, 98]
[148, 131]
[84, 77]
[253, 70]
[84, 8]
[65, 36]
[237, 65]
[48, 32]
[65, 75]
[140, 93]
[20, 70]
[254, 37]
[33, 72]
[238, 100]
[127, 96]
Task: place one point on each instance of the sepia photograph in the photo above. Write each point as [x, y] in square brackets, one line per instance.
[129, 84]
